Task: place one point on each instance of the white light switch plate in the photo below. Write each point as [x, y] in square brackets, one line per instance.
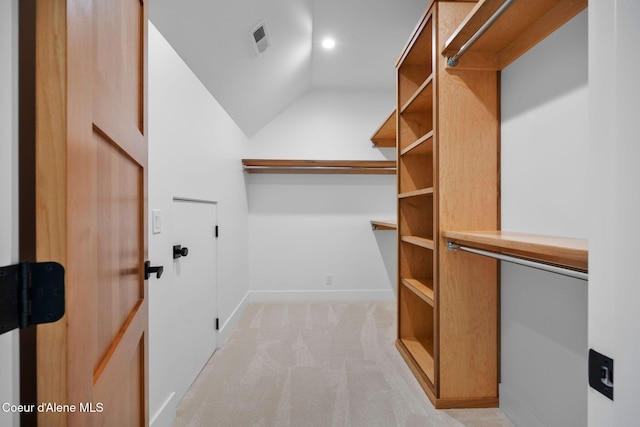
[156, 221]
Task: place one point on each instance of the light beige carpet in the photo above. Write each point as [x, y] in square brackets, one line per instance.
[316, 364]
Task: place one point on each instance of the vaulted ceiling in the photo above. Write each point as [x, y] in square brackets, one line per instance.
[212, 37]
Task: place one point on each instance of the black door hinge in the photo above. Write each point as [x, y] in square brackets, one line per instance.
[217, 232]
[31, 293]
[217, 324]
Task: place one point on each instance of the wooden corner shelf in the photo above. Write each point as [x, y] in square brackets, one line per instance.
[385, 136]
[562, 251]
[383, 225]
[518, 29]
[279, 166]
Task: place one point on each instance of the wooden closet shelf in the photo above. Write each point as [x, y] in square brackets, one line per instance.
[522, 25]
[385, 136]
[422, 100]
[421, 287]
[566, 252]
[418, 241]
[384, 225]
[416, 193]
[379, 167]
[420, 352]
[422, 147]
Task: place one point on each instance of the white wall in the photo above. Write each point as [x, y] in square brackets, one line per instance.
[303, 227]
[545, 175]
[614, 91]
[194, 151]
[9, 367]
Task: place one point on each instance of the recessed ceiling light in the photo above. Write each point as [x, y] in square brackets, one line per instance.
[328, 43]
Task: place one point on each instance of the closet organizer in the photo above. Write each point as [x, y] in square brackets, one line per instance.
[447, 133]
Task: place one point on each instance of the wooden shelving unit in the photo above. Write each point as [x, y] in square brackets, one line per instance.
[277, 166]
[518, 29]
[385, 136]
[561, 251]
[447, 127]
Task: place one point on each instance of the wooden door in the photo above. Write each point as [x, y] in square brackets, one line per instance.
[91, 192]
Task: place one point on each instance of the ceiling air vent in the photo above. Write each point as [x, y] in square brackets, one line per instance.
[260, 38]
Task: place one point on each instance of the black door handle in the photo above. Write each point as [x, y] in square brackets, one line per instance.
[148, 270]
[179, 251]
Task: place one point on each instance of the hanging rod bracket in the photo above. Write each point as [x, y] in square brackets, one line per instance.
[452, 246]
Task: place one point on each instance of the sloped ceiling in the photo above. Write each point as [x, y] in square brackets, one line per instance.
[212, 37]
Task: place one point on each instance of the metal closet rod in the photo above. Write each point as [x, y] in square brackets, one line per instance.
[453, 61]
[521, 261]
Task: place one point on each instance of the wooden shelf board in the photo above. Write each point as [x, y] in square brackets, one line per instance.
[517, 30]
[416, 193]
[384, 225]
[414, 43]
[425, 383]
[385, 136]
[421, 147]
[379, 167]
[422, 99]
[566, 252]
[384, 142]
[418, 241]
[421, 287]
[421, 355]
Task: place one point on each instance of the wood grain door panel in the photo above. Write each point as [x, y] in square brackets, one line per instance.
[118, 52]
[119, 286]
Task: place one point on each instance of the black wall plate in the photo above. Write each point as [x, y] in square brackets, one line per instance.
[601, 373]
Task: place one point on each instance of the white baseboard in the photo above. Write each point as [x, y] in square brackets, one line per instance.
[230, 324]
[165, 416]
[518, 412]
[319, 296]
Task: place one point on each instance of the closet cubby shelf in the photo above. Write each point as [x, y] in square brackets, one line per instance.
[281, 166]
[421, 147]
[520, 27]
[421, 353]
[385, 136]
[418, 241]
[422, 100]
[384, 225]
[421, 287]
[562, 251]
[416, 193]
